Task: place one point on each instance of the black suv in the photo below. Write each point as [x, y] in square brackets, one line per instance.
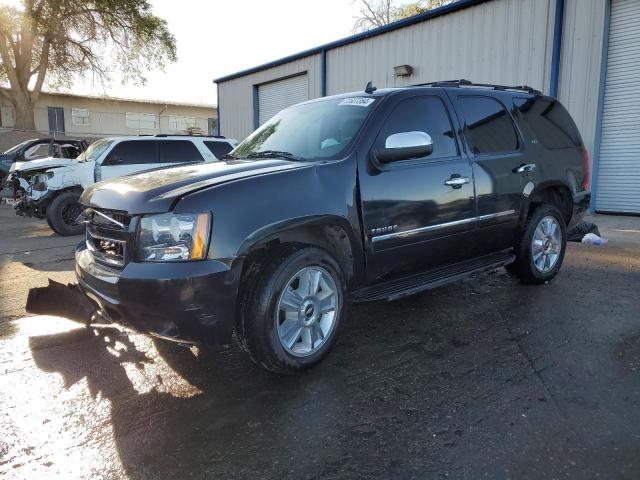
[366, 196]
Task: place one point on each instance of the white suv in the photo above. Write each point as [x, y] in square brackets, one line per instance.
[50, 188]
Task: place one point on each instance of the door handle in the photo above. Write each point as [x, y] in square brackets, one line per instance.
[456, 181]
[528, 168]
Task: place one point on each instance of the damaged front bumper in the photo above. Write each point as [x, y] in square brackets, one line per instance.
[31, 198]
[187, 302]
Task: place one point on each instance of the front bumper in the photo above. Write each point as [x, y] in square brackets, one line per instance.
[191, 302]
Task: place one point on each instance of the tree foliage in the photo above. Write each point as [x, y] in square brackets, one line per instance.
[53, 41]
[376, 13]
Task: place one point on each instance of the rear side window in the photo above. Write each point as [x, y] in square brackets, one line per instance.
[133, 152]
[423, 114]
[219, 149]
[489, 127]
[179, 151]
[550, 122]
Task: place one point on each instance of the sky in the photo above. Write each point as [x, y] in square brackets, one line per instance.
[215, 38]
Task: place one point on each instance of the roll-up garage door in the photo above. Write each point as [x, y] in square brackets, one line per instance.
[278, 95]
[618, 187]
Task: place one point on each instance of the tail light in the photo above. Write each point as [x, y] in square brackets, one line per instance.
[587, 169]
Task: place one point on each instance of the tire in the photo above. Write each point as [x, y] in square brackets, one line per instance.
[269, 321]
[60, 213]
[540, 262]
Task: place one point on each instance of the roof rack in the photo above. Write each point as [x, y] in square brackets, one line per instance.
[467, 83]
[162, 135]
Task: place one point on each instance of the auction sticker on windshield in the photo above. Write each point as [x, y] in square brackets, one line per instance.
[357, 101]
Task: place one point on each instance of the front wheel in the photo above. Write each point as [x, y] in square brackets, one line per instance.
[541, 249]
[293, 309]
[62, 214]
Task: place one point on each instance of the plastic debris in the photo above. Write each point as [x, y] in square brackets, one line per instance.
[580, 230]
[594, 240]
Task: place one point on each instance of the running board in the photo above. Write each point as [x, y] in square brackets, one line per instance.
[408, 285]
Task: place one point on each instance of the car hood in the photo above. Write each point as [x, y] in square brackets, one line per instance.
[156, 191]
[42, 163]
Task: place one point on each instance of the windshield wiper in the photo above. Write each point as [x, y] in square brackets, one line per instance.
[275, 154]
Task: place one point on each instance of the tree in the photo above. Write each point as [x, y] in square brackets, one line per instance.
[376, 13]
[54, 41]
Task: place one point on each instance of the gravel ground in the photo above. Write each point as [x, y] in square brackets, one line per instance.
[483, 379]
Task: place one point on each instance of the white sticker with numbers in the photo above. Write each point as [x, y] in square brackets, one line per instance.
[357, 101]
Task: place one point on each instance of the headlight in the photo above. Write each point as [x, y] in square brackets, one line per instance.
[6, 162]
[170, 237]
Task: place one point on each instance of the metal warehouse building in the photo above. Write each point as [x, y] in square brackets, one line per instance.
[585, 52]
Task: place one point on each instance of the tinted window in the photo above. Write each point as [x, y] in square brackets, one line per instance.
[179, 151]
[423, 114]
[219, 149]
[550, 122]
[133, 152]
[489, 127]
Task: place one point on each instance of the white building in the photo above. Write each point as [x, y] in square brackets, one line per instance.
[94, 116]
[585, 52]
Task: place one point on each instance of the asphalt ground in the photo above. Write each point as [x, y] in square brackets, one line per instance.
[486, 378]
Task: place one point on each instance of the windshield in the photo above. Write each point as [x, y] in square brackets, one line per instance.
[312, 131]
[15, 148]
[96, 149]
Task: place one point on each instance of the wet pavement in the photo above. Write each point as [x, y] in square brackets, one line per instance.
[483, 379]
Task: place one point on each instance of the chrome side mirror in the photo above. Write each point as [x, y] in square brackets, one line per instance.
[405, 146]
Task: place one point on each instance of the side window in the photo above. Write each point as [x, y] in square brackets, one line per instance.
[179, 151]
[41, 150]
[219, 149]
[133, 152]
[550, 122]
[489, 127]
[423, 114]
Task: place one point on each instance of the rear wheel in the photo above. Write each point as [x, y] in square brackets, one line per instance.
[62, 214]
[292, 310]
[541, 249]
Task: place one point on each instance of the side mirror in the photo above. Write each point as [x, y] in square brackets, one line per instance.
[405, 146]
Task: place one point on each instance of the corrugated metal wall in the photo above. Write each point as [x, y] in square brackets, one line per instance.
[501, 41]
[581, 60]
[235, 97]
[504, 41]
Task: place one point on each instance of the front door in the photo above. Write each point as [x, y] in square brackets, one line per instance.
[129, 157]
[418, 213]
[498, 156]
[56, 120]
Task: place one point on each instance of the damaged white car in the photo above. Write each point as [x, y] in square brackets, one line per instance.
[50, 188]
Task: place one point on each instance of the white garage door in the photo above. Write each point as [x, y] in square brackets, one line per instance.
[618, 188]
[276, 96]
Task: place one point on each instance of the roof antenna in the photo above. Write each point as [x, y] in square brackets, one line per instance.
[370, 88]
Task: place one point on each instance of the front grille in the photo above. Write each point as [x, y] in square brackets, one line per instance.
[100, 221]
[107, 250]
[108, 237]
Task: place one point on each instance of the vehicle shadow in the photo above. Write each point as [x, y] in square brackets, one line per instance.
[238, 410]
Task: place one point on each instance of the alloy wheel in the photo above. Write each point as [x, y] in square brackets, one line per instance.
[307, 311]
[546, 244]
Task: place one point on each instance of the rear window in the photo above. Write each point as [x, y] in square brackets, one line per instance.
[489, 127]
[550, 122]
[219, 149]
[179, 151]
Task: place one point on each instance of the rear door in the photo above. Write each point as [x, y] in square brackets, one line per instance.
[414, 216]
[497, 151]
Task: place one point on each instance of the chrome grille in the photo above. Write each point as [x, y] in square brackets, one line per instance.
[99, 220]
[107, 250]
